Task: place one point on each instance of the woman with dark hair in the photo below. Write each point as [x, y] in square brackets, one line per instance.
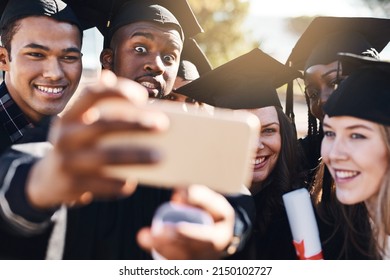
[249, 82]
[275, 173]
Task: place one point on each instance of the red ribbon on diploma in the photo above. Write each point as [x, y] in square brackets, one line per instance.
[300, 248]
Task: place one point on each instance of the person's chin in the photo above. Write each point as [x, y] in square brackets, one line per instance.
[345, 197]
[259, 177]
[154, 93]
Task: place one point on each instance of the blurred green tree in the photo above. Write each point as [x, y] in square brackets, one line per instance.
[225, 36]
[297, 25]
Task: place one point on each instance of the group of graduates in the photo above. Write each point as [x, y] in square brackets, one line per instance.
[57, 203]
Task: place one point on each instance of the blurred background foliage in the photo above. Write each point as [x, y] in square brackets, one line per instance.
[225, 35]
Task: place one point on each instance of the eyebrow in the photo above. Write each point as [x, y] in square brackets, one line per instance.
[359, 126]
[143, 34]
[150, 36]
[352, 126]
[37, 46]
[269, 124]
[328, 72]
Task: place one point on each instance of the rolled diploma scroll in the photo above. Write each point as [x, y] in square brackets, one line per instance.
[303, 224]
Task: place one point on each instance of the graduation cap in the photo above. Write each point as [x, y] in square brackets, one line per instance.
[350, 62]
[12, 10]
[193, 54]
[247, 82]
[327, 36]
[187, 71]
[365, 94]
[135, 11]
[100, 13]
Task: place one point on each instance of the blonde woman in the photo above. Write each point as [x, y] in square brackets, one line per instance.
[356, 150]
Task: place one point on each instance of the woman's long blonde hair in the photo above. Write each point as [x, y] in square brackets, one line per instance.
[381, 219]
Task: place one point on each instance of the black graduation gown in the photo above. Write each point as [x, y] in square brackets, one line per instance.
[276, 243]
[107, 230]
[12, 245]
[5, 141]
[35, 134]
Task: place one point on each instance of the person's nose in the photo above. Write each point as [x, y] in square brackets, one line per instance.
[53, 69]
[326, 92]
[260, 144]
[155, 65]
[338, 150]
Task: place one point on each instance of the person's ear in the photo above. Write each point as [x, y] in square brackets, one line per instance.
[4, 59]
[107, 58]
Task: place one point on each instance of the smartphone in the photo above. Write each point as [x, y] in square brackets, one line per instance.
[210, 147]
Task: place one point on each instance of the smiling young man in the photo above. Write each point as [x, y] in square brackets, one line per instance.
[42, 66]
[40, 56]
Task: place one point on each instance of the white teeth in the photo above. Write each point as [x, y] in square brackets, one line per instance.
[148, 85]
[50, 89]
[258, 160]
[346, 174]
